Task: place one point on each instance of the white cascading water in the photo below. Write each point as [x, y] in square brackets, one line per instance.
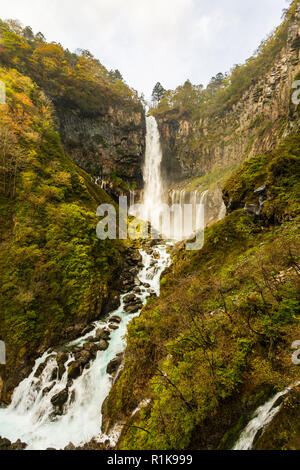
[153, 184]
[30, 414]
[261, 418]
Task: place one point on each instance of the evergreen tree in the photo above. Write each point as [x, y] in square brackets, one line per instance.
[158, 92]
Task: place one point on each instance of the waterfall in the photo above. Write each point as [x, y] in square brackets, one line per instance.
[153, 185]
[32, 415]
[261, 418]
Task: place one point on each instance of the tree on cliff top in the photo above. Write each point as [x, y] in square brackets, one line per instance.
[158, 92]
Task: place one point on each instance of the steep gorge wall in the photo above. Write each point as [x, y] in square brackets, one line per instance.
[107, 144]
[252, 126]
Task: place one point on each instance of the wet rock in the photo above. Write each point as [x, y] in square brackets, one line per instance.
[46, 390]
[60, 398]
[89, 351]
[6, 444]
[128, 299]
[74, 370]
[114, 364]
[152, 293]
[146, 285]
[132, 308]
[102, 333]
[70, 446]
[54, 374]
[137, 290]
[134, 271]
[61, 359]
[87, 330]
[115, 319]
[85, 355]
[103, 345]
[18, 445]
[40, 369]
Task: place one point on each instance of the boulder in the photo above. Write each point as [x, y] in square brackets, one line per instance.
[103, 345]
[113, 326]
[4, 443]
[102, 333]
[132, 308]
[115, 319]
[129, 298]
[74, 370]
[85, 355]
[114, 364]
[60, 398]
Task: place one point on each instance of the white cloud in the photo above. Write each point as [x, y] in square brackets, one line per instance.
[151, 40]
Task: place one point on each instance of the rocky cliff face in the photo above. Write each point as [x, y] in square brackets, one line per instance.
[250, 127]
[109, 144]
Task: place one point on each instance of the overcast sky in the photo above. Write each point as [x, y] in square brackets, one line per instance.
[154, 40]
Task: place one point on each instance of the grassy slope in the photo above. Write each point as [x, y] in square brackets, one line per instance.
[54, 272]
[217, 341]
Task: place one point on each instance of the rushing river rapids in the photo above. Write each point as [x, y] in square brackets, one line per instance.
[31, 415]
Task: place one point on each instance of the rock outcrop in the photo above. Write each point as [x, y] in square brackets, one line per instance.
[107, 145]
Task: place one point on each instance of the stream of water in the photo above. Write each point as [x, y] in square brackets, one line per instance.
[30, 414]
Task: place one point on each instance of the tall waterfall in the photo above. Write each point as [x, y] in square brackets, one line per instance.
[153, 184]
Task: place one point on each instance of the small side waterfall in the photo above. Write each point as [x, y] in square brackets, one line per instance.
[261, 418]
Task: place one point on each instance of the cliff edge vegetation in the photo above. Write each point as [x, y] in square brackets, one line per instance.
[55, 275]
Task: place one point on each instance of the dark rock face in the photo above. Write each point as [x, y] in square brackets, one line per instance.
[113, 143]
